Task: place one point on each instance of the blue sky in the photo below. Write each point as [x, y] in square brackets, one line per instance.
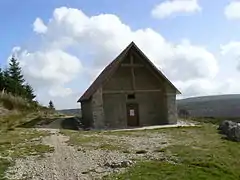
[16, 19]
[208, 28]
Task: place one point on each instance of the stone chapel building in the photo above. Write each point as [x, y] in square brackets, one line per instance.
[130, 92]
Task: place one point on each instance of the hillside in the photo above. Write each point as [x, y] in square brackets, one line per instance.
[212, 106]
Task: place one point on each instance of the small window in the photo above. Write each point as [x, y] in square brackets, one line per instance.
[131, 96]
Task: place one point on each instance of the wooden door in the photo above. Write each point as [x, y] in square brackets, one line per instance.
[132, 114]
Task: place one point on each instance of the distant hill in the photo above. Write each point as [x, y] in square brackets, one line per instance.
[212, 106]
[70, 112]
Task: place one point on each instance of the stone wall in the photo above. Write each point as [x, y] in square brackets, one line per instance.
[152, 108]
[97, 110]
[171, 108]
[86, 107]
[115, 110]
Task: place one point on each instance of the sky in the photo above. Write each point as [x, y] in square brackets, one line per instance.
[62, 45]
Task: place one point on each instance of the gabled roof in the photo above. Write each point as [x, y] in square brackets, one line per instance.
[110, 69]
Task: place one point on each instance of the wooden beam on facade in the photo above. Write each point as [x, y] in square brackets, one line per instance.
[130, 91]
[132, 65]
[133, 75]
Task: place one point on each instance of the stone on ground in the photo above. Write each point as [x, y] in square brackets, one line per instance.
[230, 129]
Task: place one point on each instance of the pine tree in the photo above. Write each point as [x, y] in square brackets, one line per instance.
[2, 83]
[15, 70]
[8, 84]
[29, 93]
[12, 81]
[51, 105]
[17, 80]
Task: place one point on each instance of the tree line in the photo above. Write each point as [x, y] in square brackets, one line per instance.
[12, 81]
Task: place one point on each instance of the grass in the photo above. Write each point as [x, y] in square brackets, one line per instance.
[196, 153]
[18, 144]
[10, 121]
[213, 120]
[93, 140]
[25, 119]
[4, 164]
[12, 102]
[15, 110]
[78, 138]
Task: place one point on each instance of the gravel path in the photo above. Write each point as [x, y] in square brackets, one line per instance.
[71, 163]
[66, 162]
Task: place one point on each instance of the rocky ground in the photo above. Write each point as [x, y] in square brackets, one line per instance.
[78, 162]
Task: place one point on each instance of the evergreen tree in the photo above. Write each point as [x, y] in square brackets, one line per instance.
[12, 81]
[15, 71]
[17, 80]
[2, 84]
[29, 93]
[51, 105]
[8, 84]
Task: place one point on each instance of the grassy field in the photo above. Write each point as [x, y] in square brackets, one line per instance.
[193, 153]
[196, 154]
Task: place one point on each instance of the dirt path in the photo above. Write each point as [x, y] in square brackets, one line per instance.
[65, 162]
[68, 162]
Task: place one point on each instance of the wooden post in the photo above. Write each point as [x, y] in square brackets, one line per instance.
[132, 72]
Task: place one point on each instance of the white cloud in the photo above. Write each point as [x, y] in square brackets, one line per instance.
[231, 48]
[39, 26]
[77, 45]
[60, 102]
[103, 42]
[232, 10]
[170, 7]
[16, 49]
[59, 91]
[52, 66]
[205, 87]
[231, 51]
[199, 87]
